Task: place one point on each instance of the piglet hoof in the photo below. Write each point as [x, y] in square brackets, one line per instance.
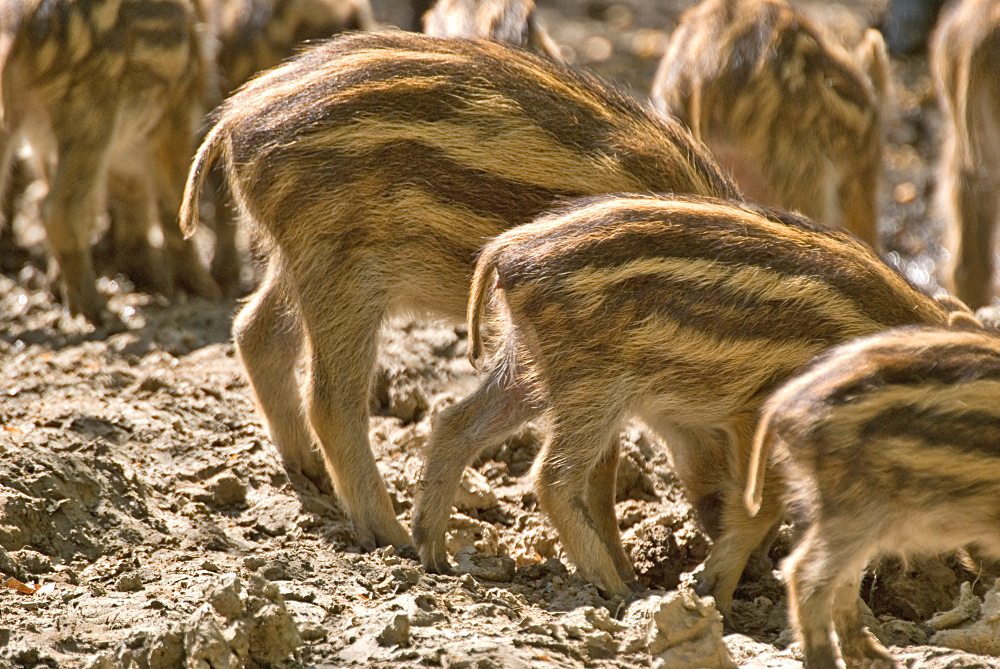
[637, 588]
[408, 552]
[374, 535]
[314, 470]
[435, 560]
[621, 591]
[704, 584]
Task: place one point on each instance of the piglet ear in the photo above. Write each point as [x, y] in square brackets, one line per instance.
[963, 320]
[952, 303]
[871, 58]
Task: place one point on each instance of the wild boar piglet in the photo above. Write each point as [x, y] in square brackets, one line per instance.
[965, 62]
[683, 312]
[889, 444]
[107, 95]
[783, 105]
[511, 21]
[372, 168]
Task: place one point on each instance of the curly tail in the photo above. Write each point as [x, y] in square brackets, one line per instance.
[763, 442]
[479, 294]
[203, 160]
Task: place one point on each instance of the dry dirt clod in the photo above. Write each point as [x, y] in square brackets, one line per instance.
[680, 629]
[496, 568]
[983, 635]
[224, 597]
[396, 632]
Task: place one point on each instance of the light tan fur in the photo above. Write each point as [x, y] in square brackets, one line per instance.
[107, 94]
[965, 59]
[783, 105]
[511, 21]
[372, 168]
[888, 445]
[682, 312]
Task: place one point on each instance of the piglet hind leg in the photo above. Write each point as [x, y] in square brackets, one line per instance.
[493, 413]
[716, 472]
[818, 575]
[343, 329]
[129, 204]
[601, 491]
[741, 535]
[73, 190]
[858, 647]
[270, 340]
[561, 472]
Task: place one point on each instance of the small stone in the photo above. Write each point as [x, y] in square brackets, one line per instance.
[497, 568]
[9, 566]
[273, 633]
[396, 632]
[469, 583]
[166, 651]
[69, 573]
[422, 611]
[129, 582]
[679, 628]
[254, 562]
[966, 608]
[896, 632]
[226, 489]
[464, 532]
[32, 561]
[102, 661]
[983, 636]
[474, 492]
[205, 647]
[312, 632]
[238, 638]
[600, 645]
[224, 597]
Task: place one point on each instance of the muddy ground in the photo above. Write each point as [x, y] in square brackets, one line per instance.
[147, 522]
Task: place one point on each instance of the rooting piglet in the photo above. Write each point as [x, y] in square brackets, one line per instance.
[783, 105]
[373, 167]
[99, 90]
[965, 62]
[511, 21]
[683, 312]
[888, 445]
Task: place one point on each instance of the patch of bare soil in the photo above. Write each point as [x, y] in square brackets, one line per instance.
[146, 522]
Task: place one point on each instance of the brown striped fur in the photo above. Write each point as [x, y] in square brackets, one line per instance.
[783, 105]
[889, 445]
[511, 21]
[682, 312]
[965, 61]
[372, 168]
[253, 36]
[99, 88]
